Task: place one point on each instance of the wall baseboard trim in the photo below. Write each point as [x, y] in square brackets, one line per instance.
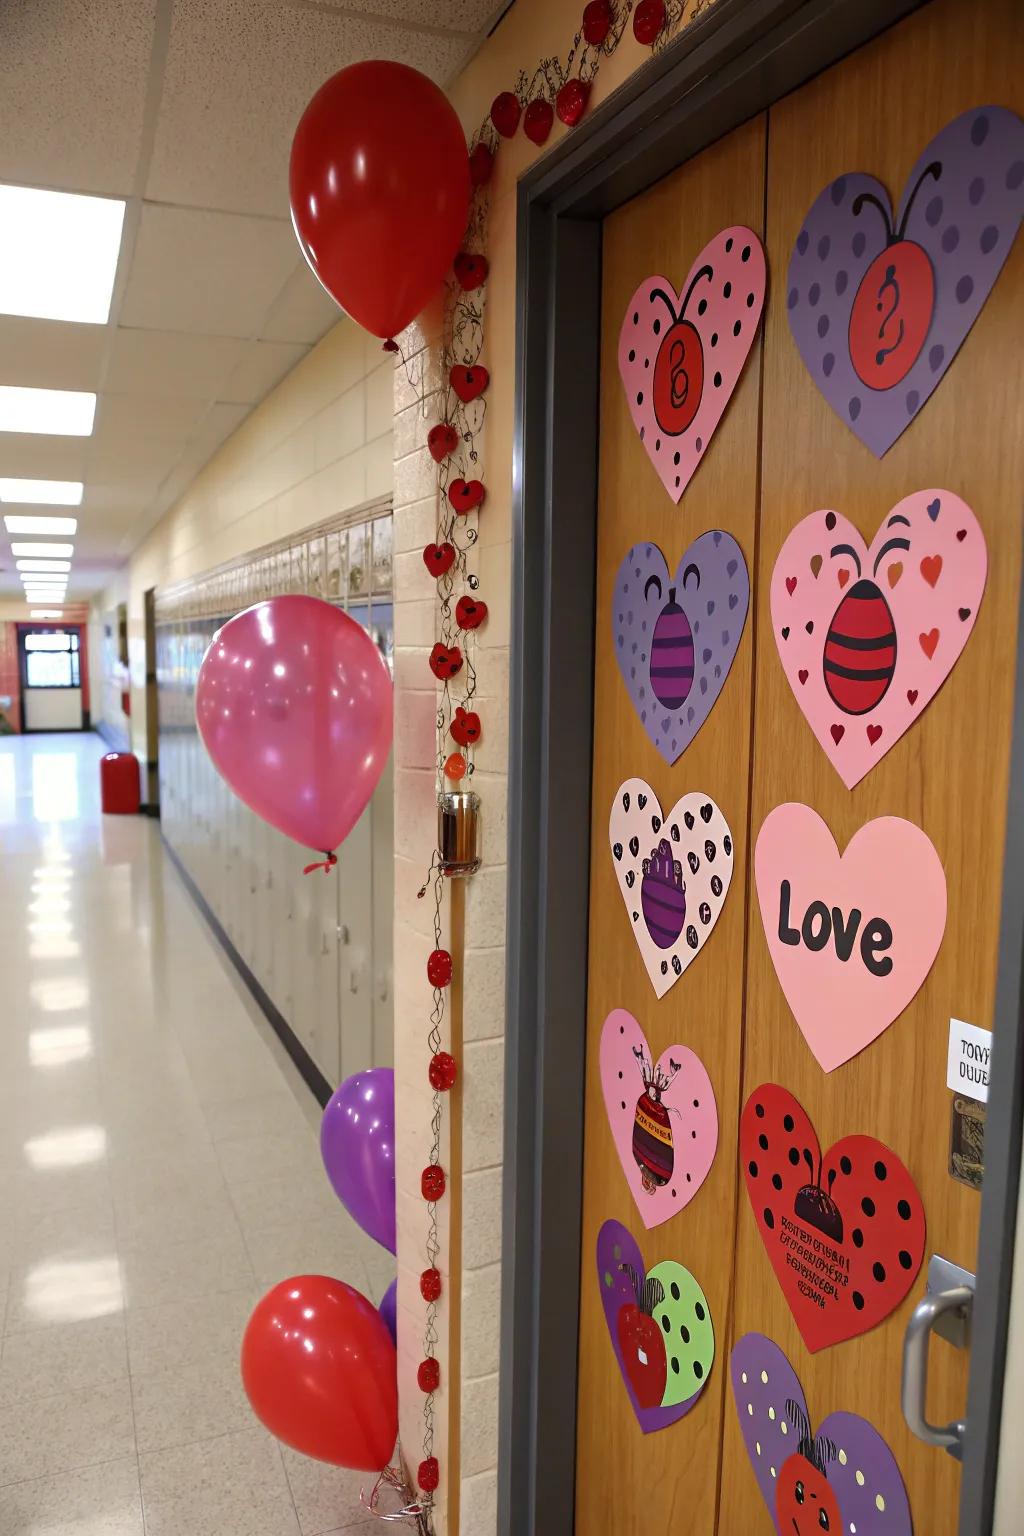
[306, 1066]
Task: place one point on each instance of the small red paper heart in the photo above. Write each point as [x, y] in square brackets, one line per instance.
[929, 642]
[470, 612]
[442, 441]
[470, 271]
[803, 674]
[464, 495]
[911, 695]
[571, 101]
[844, 577]
[597, 21]
[481, 164]
[537, 120]
[445, 661]
[838, 732]
[874, 731]
[961, 535]
[931, 568]
[791, 585]
[439, 558]
[505, 111]
[468, 383]
[648, 20]
[845, 1233]
[465, 727]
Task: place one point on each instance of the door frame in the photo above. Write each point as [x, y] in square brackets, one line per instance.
[729, 64]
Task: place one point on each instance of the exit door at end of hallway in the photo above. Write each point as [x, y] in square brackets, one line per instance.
[51, 680]
[769, 1183]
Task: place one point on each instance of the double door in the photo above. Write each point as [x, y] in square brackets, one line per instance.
[782, 452]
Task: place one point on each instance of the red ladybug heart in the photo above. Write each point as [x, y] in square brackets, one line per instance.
[845, 1233]
[439, 558]
[481, 164]
[464, 495]
[571, 101]
[445, 660]
[465, 727]
[442, 440]
[648, 20]
[505, 110]
[468, 383]
[537, 120]
[597, 21]
[470, 271]
[470, 612]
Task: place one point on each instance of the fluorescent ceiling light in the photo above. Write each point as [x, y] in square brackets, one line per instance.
[50, 589]
[55, 525]
[57, 412]
[59, 254]
[29, 551]
[43, 565]
[47, 613]
[54, 493]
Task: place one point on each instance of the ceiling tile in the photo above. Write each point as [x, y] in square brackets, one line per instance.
[212, 274]
[37, 457]
[238, 77]
[73, 78]
[261, 365]
[171, 363]
[50, 354]
[303, 312]
[451, 15]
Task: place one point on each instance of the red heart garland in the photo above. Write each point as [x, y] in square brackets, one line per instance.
[597, 21]
[571, 101]
[465, 727]
[468, 383]
[648, 20]
[845, 1233]
[439, 558]
[505, 110]
[470, 271]
[464, 495]
[445, 661]
[481, 164]
[470, 612]
[442, 441]
[538, 120]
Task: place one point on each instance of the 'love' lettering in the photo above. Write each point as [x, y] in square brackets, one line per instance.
[821, 924]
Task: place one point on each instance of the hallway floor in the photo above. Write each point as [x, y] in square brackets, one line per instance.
[158, 1171]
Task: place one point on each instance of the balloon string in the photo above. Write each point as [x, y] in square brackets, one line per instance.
[327, 863]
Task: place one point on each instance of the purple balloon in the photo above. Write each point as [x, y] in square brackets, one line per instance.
[388, 1308]
[357, 1144]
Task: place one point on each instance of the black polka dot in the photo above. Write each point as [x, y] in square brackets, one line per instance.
[666, 1322]
[700, 1313]
[696, 1103]
[698, 1369]
[636, 319]
[858, 1301]
[794, 1156]
[623, 1103]
[823, 325]
[714, 338]
[769, 1219]
[750, 301]
[675, 1365]
[702, 306]
[777, 1180]
[728, 245]
[640, 398]
[762, 1142]
[858, 1237]
[657, 445]
[933, 212]
[737, 327]
[675, 458]
[813, 294]
[867, 1205]
[989, 239]
[905, 1260]
[903, 1210]
[657, 327]
[858, 243]
[846, 1165]
[632, 356]
[881, 1172]
[964, 289]
[878, 1270]
[854, 408]
[675, 1291]
[718, 381]
[684, 1333]
[788, 1122]
[759, 1111]
[727, 291]
[620, 1077]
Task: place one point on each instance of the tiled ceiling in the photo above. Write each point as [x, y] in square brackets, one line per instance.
[185, 108]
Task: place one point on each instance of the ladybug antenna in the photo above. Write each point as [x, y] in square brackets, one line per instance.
[808, 1159]
[935, 171]
[642, 1063]
[796, 1413]
[653, 581]
[831, 1179]
[845, 549]
[659, 293]
[887, 548]
[686, 574]
[869, 197]
[705, 271]
[649, 1293]
[826, 1450]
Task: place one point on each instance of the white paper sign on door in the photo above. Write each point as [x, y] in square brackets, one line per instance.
[967, 1065]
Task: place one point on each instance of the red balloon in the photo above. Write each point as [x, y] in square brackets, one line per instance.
[379, 188]
[320, 1370]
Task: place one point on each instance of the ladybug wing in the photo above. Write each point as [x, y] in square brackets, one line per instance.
[763, 1381]
[866, 1479]
[640, 592]
[832, 252]
[966, 220]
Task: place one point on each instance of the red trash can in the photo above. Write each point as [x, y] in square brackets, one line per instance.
[119, 784]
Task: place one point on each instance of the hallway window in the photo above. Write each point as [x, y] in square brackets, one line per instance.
[52, 661]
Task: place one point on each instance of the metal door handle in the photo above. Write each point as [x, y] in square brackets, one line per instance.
[945, 1308]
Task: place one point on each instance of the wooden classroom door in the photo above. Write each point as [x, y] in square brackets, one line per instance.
[676, 1234]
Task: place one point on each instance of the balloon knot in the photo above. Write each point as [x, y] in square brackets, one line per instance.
[327, 863]
[391, 345]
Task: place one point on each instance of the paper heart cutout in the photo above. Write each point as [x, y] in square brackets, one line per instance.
[681, 355]
[465, 727]
[468, 383]
[845, 1233]
[852, 936]
[470, 612]
[846, 1468]
[673, 871]
[676, 637]
[877, 650]
[660, 1326]
[445, 660]
[662, 1114]
[439, 558]
[464, 495]
[878, 313]
[442, 441]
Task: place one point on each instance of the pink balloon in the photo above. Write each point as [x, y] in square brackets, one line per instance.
[294, 706]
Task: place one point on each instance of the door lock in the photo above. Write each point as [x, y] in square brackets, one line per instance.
[945, 1310]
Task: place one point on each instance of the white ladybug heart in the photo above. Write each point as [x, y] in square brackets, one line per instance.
[673, 871]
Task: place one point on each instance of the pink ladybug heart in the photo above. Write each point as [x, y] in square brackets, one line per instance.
[867, 636]
[681, 354]
[662, 1115]
[852, 935]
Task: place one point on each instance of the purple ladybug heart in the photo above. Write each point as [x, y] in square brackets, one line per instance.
[672, 668]
[878, 305]
[845, 1466]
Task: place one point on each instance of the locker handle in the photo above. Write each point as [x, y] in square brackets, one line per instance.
[949, 1313]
